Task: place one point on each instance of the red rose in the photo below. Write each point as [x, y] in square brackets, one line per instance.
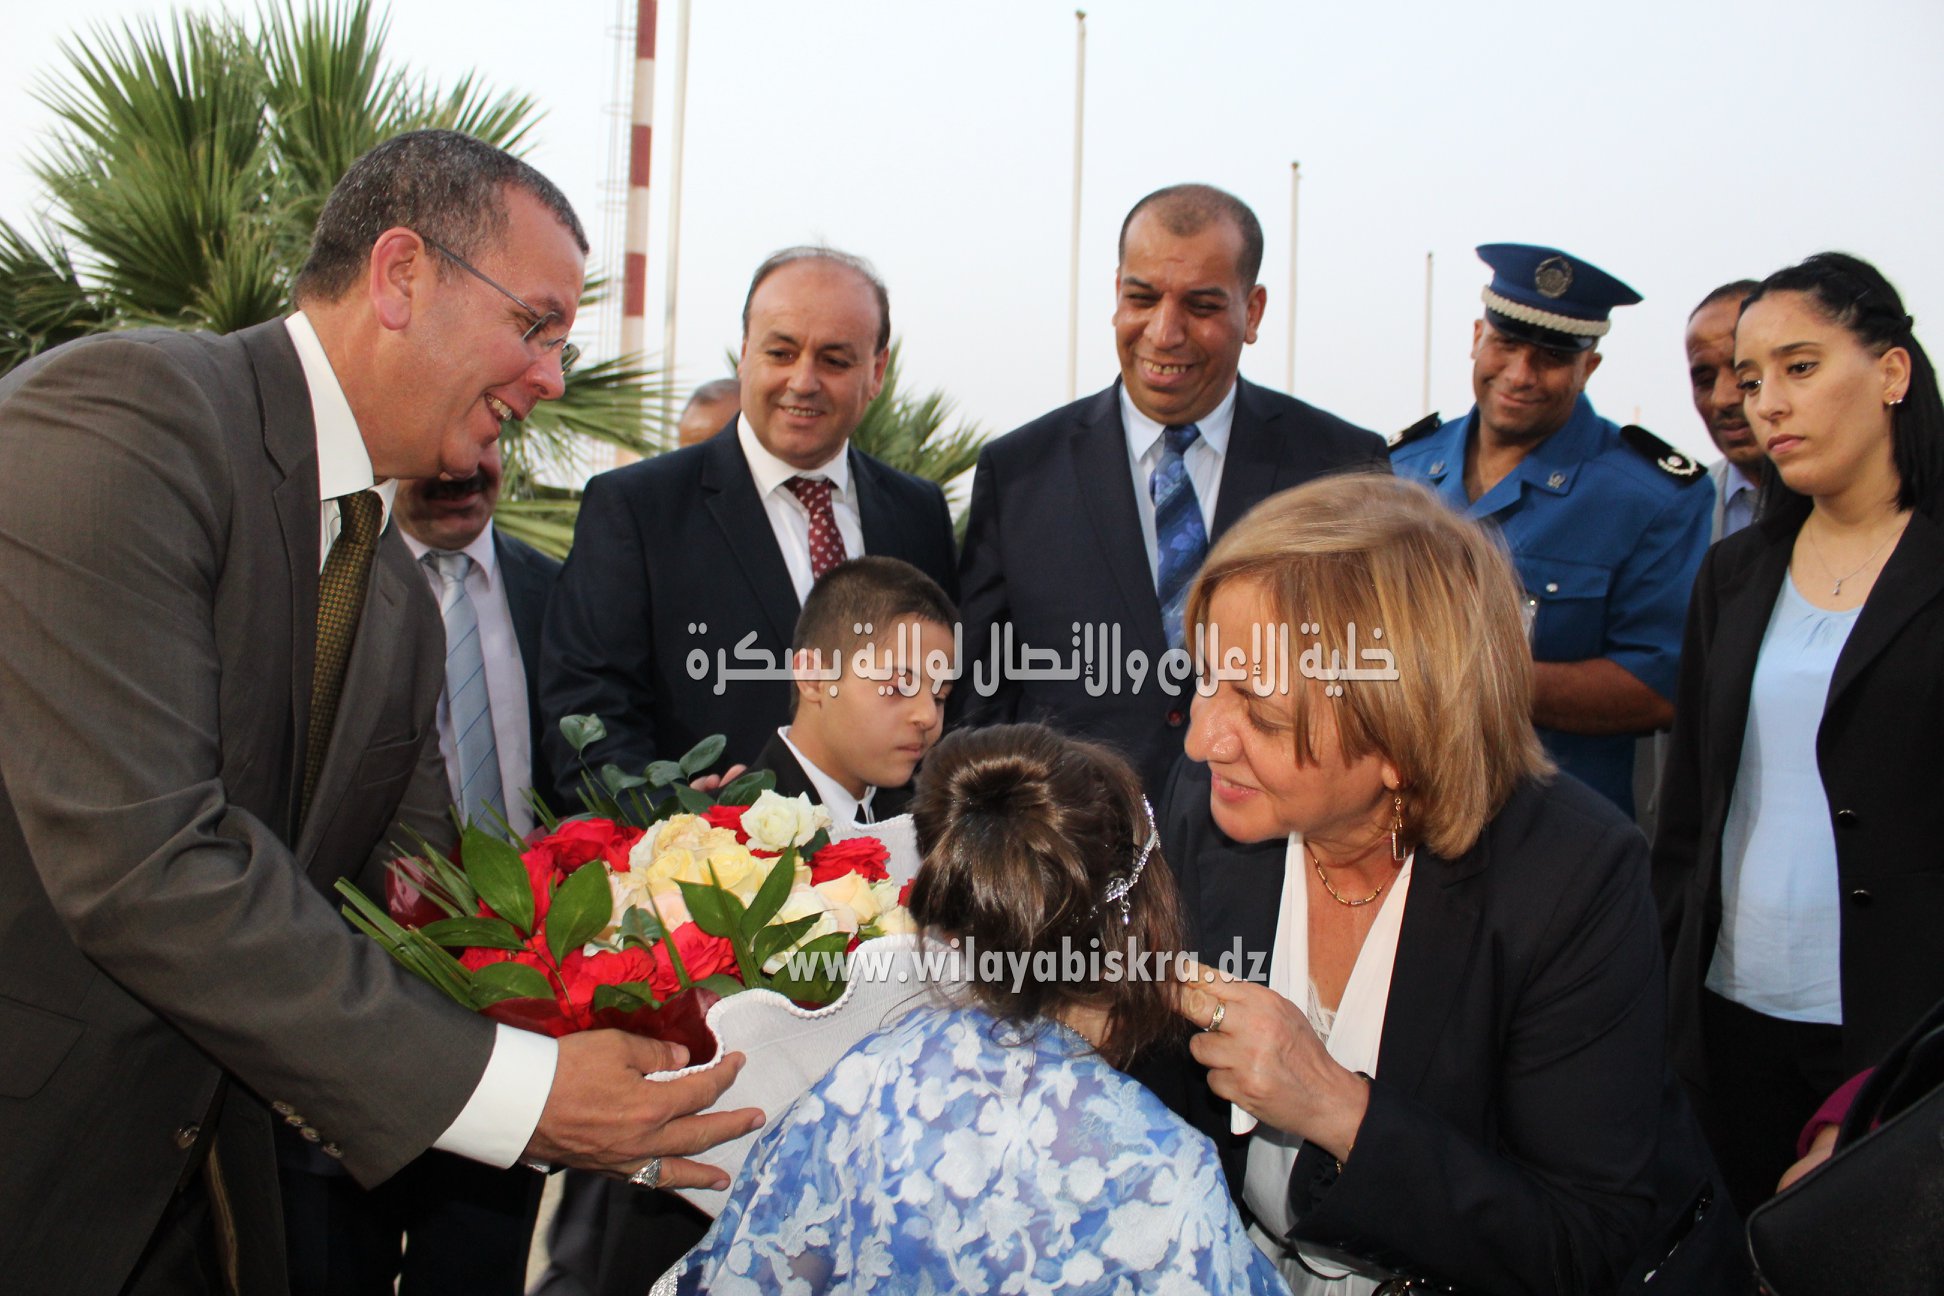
[904, 895]
[573, 844]
[730, 817]
[864, 856]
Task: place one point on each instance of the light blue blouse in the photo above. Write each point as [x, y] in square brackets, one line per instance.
[1779, 951]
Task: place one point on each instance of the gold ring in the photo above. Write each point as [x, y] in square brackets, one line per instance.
[1221, 1011]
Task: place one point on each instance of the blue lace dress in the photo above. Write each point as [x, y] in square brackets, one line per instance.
[946, 1153]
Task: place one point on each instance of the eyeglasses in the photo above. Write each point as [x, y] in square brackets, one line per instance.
[569, 353]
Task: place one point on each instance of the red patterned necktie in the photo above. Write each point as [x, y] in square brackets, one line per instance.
[826, 544]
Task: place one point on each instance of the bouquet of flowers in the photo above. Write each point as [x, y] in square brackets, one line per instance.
[642, 912]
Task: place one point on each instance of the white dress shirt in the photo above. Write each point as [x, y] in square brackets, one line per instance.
[504, 1110]
[343, 463]
[505, 676]
[788, 518]
[1204, 462]
[845, 809]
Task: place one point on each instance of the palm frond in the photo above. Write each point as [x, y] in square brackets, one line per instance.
[907, 431]
[157, 162]
[42, 301]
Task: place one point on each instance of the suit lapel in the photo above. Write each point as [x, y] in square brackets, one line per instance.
[873, 517]
[1441, 917]
[1741, 623]
[367, 676]
[1252, 470]
[1911, 579]
[1098, 445]
[525, 599]
[778, 759]
[730, 495]
[290, 440]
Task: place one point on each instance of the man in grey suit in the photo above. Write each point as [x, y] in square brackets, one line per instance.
[175, 801]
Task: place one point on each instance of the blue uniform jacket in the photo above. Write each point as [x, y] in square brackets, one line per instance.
[1607, 544]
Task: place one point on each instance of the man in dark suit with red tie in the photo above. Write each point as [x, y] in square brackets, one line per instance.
[1098, 514]
[673, 616]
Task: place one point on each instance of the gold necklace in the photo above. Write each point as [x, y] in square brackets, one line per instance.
[1336, 895]
[1836, 590]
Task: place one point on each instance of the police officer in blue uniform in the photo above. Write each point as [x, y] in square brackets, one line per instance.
[1607, 525]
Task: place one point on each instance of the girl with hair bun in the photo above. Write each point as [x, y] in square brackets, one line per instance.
[988, 1140]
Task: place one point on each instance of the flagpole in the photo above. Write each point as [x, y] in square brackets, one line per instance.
[1427, 334]
[674, 213]
[1073, 255]
[1295, 193]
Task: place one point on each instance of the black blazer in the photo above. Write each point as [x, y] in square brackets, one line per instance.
[674, 557]
[1880, 749]
[529, 577]
[1054, 538]
[792, 780]
[1524, 1132]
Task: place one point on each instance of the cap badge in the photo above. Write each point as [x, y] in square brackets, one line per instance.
[1553, 277]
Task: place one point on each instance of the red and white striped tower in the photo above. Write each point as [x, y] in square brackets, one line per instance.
[634, 246]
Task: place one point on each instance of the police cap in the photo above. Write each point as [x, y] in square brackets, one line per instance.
[1543, 296]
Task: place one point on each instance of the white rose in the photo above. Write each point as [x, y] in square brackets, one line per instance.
[895, 921]
[776, 823]
[808, 902]
[851, 891]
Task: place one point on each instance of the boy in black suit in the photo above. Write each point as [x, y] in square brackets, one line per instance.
[868, 650]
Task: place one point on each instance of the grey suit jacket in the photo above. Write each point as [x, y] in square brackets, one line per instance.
[169, 957]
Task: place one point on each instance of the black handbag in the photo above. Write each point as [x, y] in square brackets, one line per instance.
[1871, 1218]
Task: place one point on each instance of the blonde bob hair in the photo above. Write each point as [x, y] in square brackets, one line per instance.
[1431, 588]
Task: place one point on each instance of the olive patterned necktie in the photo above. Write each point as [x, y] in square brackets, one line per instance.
[340, 602]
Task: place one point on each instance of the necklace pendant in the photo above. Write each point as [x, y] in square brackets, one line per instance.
[1836, 590]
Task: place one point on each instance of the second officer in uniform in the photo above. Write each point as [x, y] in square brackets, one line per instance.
[1606, 524]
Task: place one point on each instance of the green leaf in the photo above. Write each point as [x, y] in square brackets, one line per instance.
[582, 730]
[628, 996]
[619, 780]
[582, 906]
[722, 983]
[703, 754]
[508, 980]
[461, 933]
[773, 940]
[690, 800]
[497, 873]
[747, 787]
[639, 927]
[662, 773]
[770, 896]
[714, 910]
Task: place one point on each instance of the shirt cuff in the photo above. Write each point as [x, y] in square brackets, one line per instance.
[498, 1121]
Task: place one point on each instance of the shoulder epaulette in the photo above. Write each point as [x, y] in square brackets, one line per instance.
[1424, 427]
[1663, 456]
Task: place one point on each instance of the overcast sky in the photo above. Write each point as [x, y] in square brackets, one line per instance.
[1675, 145]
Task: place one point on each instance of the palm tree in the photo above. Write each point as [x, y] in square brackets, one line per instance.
[186, 171]
[906, 431]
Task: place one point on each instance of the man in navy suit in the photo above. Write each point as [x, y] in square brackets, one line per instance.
[1098, 513]
[673, 616]
[443, 1223]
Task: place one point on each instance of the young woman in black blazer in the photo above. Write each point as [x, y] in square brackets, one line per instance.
[1798, 864]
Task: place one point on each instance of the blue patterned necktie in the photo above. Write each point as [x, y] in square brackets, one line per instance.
[481, 797]
[1181, 541]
